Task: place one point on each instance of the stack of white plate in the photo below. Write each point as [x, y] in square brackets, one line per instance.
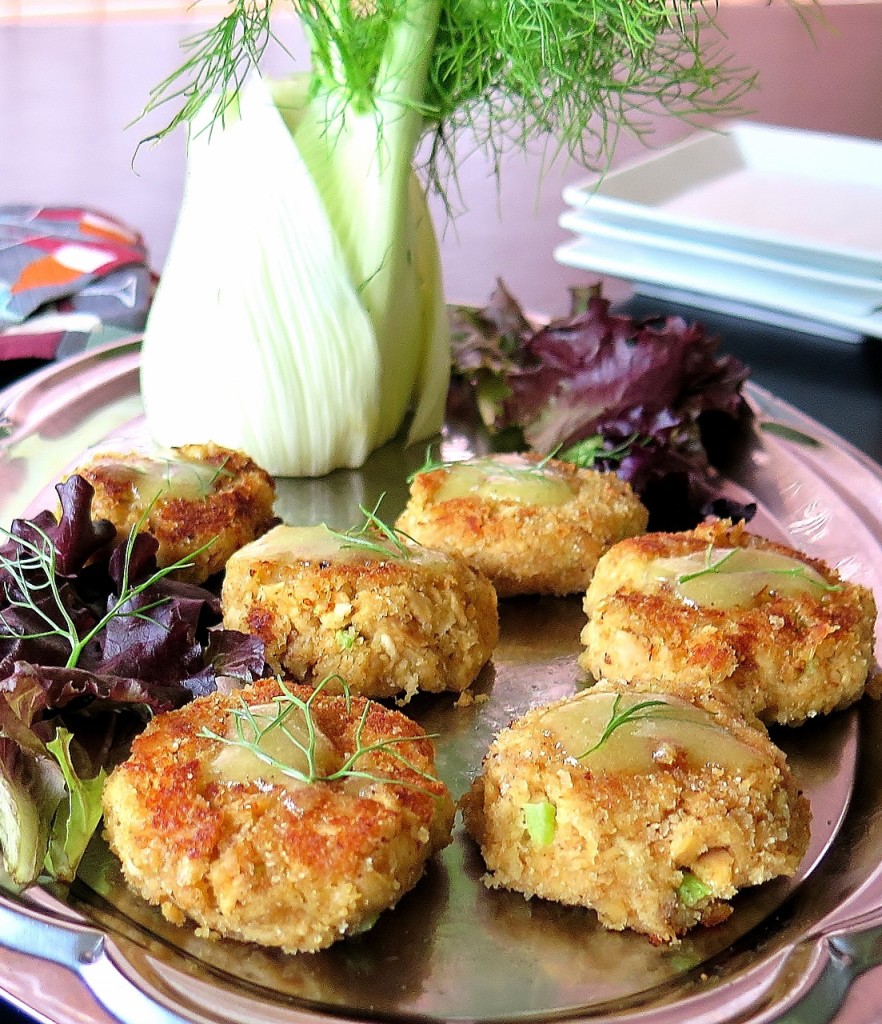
[775, 224]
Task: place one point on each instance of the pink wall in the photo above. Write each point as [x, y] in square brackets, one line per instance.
[67, 93]
[829, 80]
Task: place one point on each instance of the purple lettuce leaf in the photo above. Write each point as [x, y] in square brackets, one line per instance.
[232, 654]
[491, 338]
[597, 383]
[34, 699]
[33, 601]
[34, 693]
[152, 637]
[598, 372]
[70, 706]
[486, 345]
[158, 634]
[78, 538]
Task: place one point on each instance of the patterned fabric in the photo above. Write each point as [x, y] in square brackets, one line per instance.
[69, 279]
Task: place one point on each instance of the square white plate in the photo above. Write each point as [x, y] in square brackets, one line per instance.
[718, 284]
[804, 197]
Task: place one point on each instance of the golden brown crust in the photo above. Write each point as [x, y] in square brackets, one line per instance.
[387, 627]
[236, 508]
[525, 548]
[295, 867]
[786, 657]
[623, 842]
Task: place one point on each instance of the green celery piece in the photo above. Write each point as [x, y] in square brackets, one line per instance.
[346, 638]
[691, 891]
[540, 820]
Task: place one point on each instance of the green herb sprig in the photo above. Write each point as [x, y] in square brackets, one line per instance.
[790, 433]
[717, 568]
[376, 536]
[584, 454]
[250, 730]
[430, 464]
[218, 61]
[220, 471]
[710, 568]
[205, 486]
[801, 572]
[638, 712]
[590, 450]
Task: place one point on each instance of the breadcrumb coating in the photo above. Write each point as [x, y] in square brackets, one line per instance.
[387, 625]
[785, 653]
[659, 837]
[543, 535]
[247, 853]
[195, 495]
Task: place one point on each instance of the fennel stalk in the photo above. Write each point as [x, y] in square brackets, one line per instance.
[301, 312]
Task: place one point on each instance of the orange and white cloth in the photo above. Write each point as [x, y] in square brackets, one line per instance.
[69, 278]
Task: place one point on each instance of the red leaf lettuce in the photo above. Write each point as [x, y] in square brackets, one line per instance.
[605, 390]
[67, 716]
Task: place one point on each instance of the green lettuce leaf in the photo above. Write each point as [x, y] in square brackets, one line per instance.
[78, 814]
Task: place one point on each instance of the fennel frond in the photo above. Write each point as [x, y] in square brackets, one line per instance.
[376, 536]
[250, 729]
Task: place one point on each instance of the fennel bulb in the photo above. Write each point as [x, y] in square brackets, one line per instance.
[259, 337]
[300, 314]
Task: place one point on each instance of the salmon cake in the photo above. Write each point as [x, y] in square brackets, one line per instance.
[532, 525]
[200, 501]
[388, 615]
[651, 809]
[720, 608]
[277, 814]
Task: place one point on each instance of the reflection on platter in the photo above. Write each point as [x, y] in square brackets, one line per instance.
[453, 949]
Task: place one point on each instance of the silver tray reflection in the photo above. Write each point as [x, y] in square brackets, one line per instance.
[453, 950]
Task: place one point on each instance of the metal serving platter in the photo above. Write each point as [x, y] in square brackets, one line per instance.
[453, 950]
